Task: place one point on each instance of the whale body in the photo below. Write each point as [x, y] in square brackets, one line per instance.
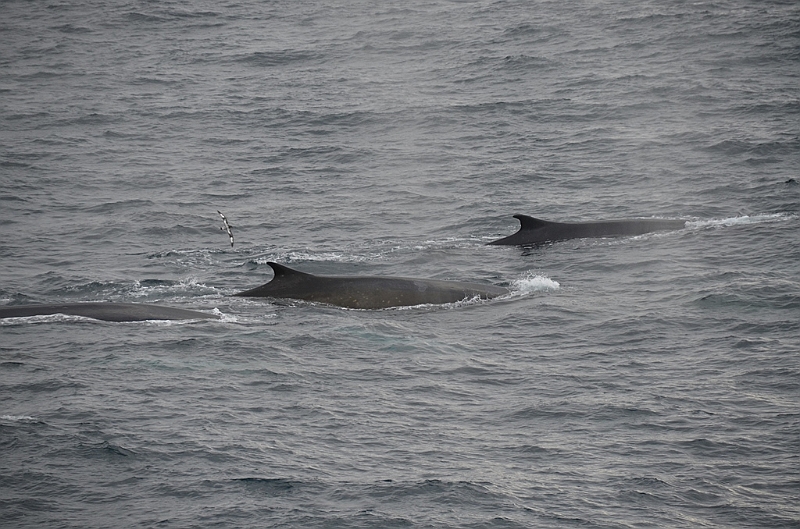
[365, 292]
[356, 292]
[105, 311]
[534, 231]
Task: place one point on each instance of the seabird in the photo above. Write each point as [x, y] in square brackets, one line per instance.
[227, 227]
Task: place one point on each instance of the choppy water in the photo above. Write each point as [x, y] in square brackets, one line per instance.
[645, 381]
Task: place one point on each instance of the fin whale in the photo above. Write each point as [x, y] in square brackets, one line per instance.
[105, 311]
[355, 292]
[534, 231]
[367, 292]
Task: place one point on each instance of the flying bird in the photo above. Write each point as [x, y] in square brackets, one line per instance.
[227, 227]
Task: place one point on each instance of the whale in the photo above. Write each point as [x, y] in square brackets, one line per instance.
[353, 292]
[535, 231]
[367, 292]
[105, 311]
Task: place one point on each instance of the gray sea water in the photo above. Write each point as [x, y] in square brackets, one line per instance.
[649, 381]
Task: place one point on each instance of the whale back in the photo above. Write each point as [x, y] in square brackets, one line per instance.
[105, 311]
[535, 231]
[367, 292]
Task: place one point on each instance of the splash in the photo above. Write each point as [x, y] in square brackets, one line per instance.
[533, 282]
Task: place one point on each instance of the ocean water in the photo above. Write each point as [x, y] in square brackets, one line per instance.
[649, 381]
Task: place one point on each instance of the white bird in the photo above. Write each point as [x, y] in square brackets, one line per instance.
[227, 227]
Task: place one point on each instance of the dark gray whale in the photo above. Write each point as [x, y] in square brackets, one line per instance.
[534, 231]
[359, 292]
[344, 291]
[105, 311]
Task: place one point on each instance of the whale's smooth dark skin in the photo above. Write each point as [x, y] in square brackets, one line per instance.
[535, 231]
[105, 311]
[356, 292]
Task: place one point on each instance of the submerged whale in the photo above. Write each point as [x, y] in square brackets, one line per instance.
[105, 311]
[534, 231]
[365, 292]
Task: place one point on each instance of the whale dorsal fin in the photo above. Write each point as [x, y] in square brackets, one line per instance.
[285, 272]
[530, 223]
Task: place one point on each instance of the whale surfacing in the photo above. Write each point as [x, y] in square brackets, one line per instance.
[105, 311]
[367, 292]
[535, 231]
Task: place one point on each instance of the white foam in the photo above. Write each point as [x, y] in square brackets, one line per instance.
[335, 257]
[189, 284]
[740, 220]
[533, 282]
[19, 418]
[45, 318]
[233, 318]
